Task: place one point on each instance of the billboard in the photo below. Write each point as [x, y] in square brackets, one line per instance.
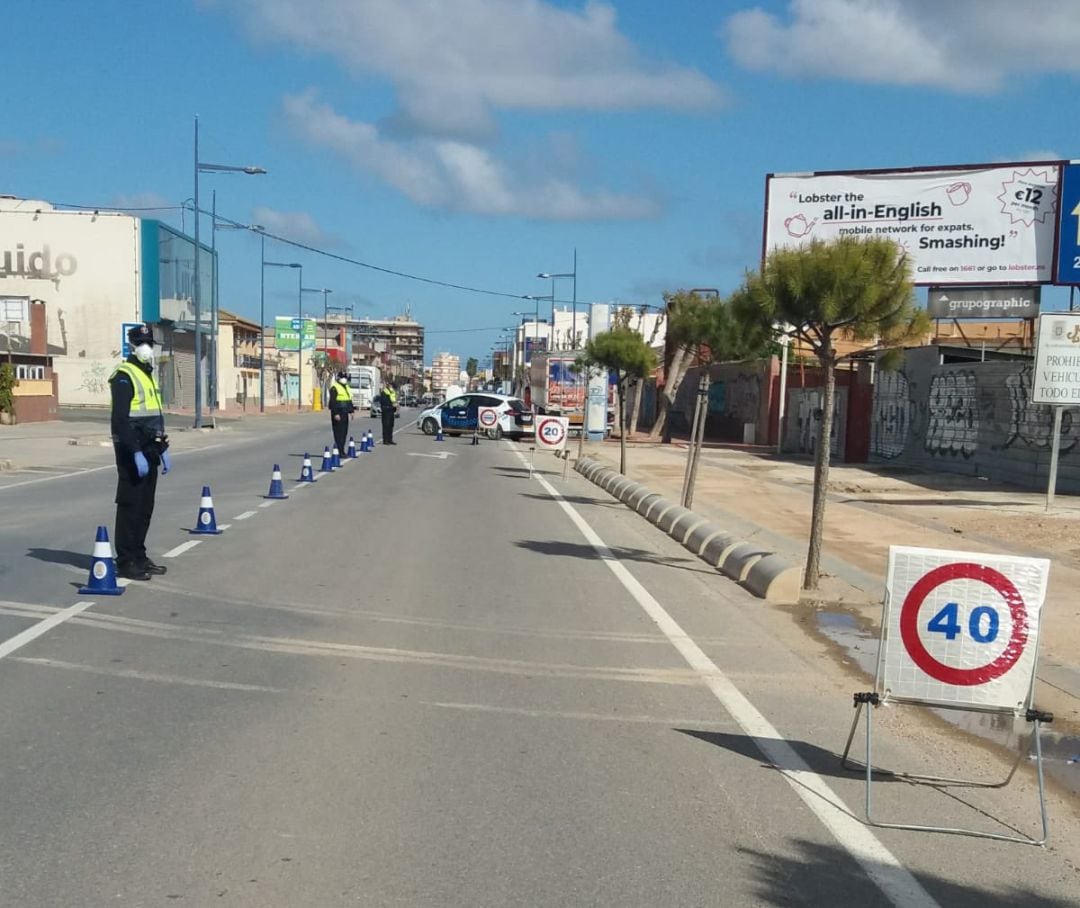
[287, 332]
[983, 302]
[982, 224]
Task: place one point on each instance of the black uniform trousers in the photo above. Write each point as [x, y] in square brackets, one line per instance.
[134, 508]
[341, 429]
[387, 424]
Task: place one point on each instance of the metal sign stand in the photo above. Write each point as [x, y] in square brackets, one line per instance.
[873, 699]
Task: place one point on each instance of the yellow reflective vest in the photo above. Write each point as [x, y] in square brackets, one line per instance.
[146, 401]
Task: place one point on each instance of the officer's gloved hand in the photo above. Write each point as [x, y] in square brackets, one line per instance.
[166, 464]
[142, 466]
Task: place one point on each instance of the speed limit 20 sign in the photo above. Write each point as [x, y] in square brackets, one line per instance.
[961, 629]
[551, 432]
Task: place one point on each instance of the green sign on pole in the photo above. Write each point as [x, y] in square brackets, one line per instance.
[287, 332]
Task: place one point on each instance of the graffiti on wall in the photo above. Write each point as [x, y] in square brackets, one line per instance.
[952, 415]
[1033, 424]
[891, 417]
[742, 398]
[804, 424]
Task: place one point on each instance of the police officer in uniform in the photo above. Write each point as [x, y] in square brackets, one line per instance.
[141, 446]
[388, 407]
[341, 406]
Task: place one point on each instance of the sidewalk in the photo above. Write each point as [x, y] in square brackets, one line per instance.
[759, 495]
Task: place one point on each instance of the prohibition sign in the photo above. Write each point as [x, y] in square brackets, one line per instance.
[965, 677]
[489, 417]
[550, 431]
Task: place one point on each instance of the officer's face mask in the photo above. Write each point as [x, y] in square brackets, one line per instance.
[144, 353]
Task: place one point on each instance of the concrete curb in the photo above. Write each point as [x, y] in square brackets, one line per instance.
[767, 575]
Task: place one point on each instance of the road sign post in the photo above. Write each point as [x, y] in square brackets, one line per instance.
[959, 631]
[1056, 377]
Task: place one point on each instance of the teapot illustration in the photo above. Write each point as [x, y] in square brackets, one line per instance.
[797, 225]
[958, 193]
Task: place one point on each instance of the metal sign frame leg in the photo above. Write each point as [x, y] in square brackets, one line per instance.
[870, 701]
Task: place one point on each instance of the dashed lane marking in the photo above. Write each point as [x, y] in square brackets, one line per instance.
[183, 547]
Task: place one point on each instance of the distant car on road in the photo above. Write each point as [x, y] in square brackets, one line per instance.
[459, 414]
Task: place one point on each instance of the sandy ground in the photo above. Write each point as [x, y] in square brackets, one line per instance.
[871, 509]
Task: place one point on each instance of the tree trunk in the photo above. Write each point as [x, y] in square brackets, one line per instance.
[821, 469]
[676, 374]
[622, 425]
[697, 437]
[635, 415]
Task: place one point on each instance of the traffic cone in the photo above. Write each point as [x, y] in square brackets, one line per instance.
[336, 457]
[102, 580]
[327, 461]
[475, 439]
[370, 441]
[438, 434]
[276, 490]
[352, 449]
[206, 523]
[306, 473]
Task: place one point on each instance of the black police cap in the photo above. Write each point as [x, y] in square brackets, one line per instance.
[140, 334]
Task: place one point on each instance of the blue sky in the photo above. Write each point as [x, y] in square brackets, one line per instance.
[479, 142]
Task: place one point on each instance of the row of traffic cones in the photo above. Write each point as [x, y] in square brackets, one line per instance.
[102, 579]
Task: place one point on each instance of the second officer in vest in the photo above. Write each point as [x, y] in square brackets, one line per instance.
[341, 406]
[141, 446]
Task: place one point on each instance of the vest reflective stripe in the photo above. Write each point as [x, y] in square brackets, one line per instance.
[344, 395]
[147, 398]
[392, 395]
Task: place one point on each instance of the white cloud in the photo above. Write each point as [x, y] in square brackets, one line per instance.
[293, 225]
[970, 46]
[454, 63]
[456, 175]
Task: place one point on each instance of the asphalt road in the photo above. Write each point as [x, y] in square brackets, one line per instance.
[434, 678]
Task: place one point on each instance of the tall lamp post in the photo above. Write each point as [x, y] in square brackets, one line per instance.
[569, 274]
[254, 228]
[299, 328]
[324, 292]
[203, 167]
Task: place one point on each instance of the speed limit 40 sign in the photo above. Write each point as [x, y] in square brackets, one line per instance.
[551, 432]
[961, 629]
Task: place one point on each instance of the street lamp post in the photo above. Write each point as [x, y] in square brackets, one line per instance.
[569, 274]
[254, 228]
[300, 328]
[201, 167]
[324, 291]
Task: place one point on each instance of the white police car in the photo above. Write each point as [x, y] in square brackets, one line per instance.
[459, 414]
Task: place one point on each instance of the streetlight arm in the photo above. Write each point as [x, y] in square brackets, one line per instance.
[228, 168]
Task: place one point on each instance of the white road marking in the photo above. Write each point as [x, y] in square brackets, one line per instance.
[82, 572]
[300, 486]
[224, 526]
[32, 633]
[890, 876]
[442, 455]
[265, 504]
[30, 482]
[147, 676]
[245, 515]
[180, 549]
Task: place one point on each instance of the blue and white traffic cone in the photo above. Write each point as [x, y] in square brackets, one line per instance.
[438, 434]
[352, 449]
[307, 474]
[370, 441]
[335, 456]
[206, 523]
[276, 489]
[102, 580]
[327, 461]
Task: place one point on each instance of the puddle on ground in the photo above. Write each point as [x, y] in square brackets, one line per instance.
[1061, 752]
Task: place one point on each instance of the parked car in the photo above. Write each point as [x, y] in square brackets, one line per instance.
[459, 414]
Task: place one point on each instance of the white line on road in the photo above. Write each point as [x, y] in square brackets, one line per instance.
[300, 486]
[183, 547]
[30, 482]
[245, 515]
[894, 880]
[224, 526]
[73, 569]
[32, 633]
[267, 504]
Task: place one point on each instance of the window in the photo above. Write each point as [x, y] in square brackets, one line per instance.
[30, 373]
[13, 308]
[457, 403]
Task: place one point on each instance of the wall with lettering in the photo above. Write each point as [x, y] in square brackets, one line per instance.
[84, 266]
[975, 419]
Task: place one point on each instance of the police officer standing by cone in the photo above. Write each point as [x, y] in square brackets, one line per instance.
[141, 446]
[341, 406]
[388, 408]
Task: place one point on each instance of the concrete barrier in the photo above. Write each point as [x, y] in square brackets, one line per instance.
[628, 490]
[635, 497]
[685, 525]
[703, 533]
[616, 488]
[716, 549]
[610, 479]
[738, 560]
[775, 579]
[670, 516]
[646, 502]
[658, 508]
